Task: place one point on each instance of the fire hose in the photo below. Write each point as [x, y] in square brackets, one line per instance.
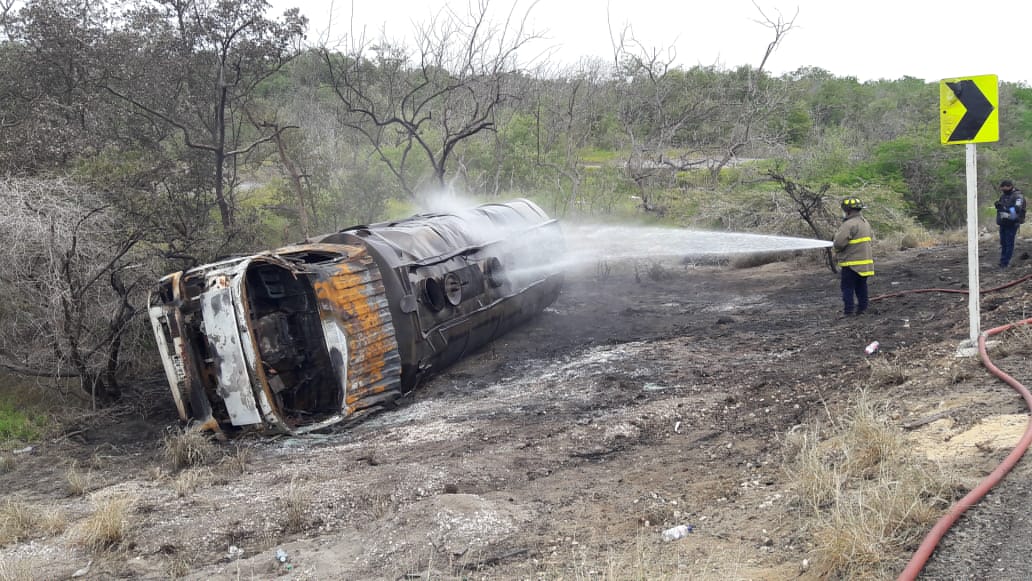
[935, 535]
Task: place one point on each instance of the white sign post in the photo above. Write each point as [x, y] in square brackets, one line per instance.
[974, 310]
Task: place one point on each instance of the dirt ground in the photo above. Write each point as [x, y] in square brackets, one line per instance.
[647, 396]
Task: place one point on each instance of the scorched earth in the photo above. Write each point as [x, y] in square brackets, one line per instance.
[651, 394]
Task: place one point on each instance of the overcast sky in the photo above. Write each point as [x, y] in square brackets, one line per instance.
[871, 39]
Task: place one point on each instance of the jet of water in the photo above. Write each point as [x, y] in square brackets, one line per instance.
[591, 243]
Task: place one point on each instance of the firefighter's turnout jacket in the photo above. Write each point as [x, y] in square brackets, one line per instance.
[852, 245]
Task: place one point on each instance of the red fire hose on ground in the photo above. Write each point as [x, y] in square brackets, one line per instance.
[931, 540]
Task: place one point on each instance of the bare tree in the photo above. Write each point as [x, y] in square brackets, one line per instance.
[709, 116]
[416, 107]
[73, 278]
[810, 205]
[270, 124]
[759, 100]
[343, 180]
[657, 104]
[567, 110]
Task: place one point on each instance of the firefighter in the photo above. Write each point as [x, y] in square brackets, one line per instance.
[852, 244]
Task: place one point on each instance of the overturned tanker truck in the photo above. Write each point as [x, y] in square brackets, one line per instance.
[311, 335]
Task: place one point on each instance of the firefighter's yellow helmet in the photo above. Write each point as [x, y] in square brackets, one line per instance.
[852, 204]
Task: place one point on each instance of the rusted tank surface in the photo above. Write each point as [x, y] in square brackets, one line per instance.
[307, 336]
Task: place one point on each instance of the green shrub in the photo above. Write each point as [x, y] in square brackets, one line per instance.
[19, 424]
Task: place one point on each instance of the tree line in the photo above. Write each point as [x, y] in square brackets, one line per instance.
[144, 137]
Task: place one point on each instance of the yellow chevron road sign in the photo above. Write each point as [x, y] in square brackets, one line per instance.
[969, 109]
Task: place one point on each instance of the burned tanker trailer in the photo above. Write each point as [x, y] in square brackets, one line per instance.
[307, 336]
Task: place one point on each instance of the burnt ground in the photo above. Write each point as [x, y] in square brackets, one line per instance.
[647, 396]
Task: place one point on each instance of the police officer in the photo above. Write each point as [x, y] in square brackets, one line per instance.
[852, 244]
[1010, 214]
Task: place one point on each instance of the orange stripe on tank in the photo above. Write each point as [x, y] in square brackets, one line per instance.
[346, 295]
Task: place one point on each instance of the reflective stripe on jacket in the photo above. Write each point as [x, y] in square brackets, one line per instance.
[852, 244]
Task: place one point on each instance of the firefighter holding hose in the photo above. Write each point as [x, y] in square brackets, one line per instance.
[852, 244]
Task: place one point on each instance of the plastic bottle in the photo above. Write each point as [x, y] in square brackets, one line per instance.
[678, 532]
[871, 348]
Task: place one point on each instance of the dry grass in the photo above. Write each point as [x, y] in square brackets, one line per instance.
[956, 236]
[887, 373]
[53, 521]
[865, 531]
[107, 526]
[295, 506]
[98, 461]
[189, 448]
[816, 480]
[177, 567]
[266, 539]
[239, 459]
[643, 558]
[77, 482]
[652, 269]
[155, 473]
[866, 499]
[905, 233]
[961, 370]
[7, 463]
[18, 570]
[187, 481]
[18, 521]
[916, 238]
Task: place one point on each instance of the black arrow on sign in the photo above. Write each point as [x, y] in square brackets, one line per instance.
[978, 110]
